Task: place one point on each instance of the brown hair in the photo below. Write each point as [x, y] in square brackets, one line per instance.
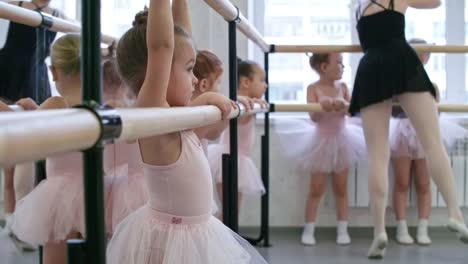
[132, 52]
[207, 66]
[246, 68]
[317, 59]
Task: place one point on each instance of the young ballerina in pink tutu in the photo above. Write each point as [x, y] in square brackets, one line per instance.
[251, 85]
[406, 150]
[18, 182]
[208, 70]
[53, 211]
[176, 225]
[328, 146]
[125, 188]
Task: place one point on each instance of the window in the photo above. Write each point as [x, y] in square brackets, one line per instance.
[303, 22]
[332, 22]
[435, 34]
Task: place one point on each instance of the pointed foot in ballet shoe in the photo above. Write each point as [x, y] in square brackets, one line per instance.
[460, 228]
[377, 249]
[404, 239]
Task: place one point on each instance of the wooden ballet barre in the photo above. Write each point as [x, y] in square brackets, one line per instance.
[449, 108]
[227, 10]
[357, 48]
[34, 19]
[33, 135]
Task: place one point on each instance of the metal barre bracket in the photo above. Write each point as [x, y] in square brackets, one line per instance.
[47, 21]
[237, 19]
[110, 122]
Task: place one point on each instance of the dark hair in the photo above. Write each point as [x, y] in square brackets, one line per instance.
[132, 52]
[317, 59]
[246, 68]
[207, 65]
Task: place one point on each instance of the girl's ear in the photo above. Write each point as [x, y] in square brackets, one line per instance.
[244, 82]
[203, 85]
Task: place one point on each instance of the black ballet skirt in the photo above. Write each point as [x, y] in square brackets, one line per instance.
[18, 63]
[389, 66]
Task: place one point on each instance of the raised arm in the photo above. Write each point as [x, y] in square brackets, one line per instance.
[424, 4]
[160, 44]
[181, 15]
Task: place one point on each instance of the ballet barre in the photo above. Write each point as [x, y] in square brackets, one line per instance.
[35, 19]
[357, 48]
[34, 135]
[449, 108]
[231, 13]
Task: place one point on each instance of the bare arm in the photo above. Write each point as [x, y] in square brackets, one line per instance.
[424, 4]
[181, 14]
[160, 45]
[212, 132]
[312, 98]
[54, 102]
[4, 107]
[345, 90]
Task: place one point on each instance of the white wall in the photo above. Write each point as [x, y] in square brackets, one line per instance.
[210, 32]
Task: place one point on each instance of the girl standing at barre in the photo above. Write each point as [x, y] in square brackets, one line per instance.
[156, 59]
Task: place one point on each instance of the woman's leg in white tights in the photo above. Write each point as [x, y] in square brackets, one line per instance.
[375, 120]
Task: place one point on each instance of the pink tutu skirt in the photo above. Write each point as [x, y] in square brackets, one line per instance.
[405, 143]
[125, 193]
[51, 211]
[151, 237]
[249, 180]
[321, 150]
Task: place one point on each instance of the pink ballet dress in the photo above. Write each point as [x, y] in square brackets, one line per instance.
[176, 225]
[249, 180]
[330, 145]
[405, 143]
[204, 143]
[125, 187]
[54, 209]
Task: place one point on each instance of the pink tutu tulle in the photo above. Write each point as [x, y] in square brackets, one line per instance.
[124, 182]
[151, 237]
[249, 179]
[54, 209]
[327, 148]
[405, 143]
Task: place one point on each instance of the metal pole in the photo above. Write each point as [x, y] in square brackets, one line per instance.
[92, 159]
[234, 225]
[38, 95]
[265, 228]
[227, 213]
[39, 88]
